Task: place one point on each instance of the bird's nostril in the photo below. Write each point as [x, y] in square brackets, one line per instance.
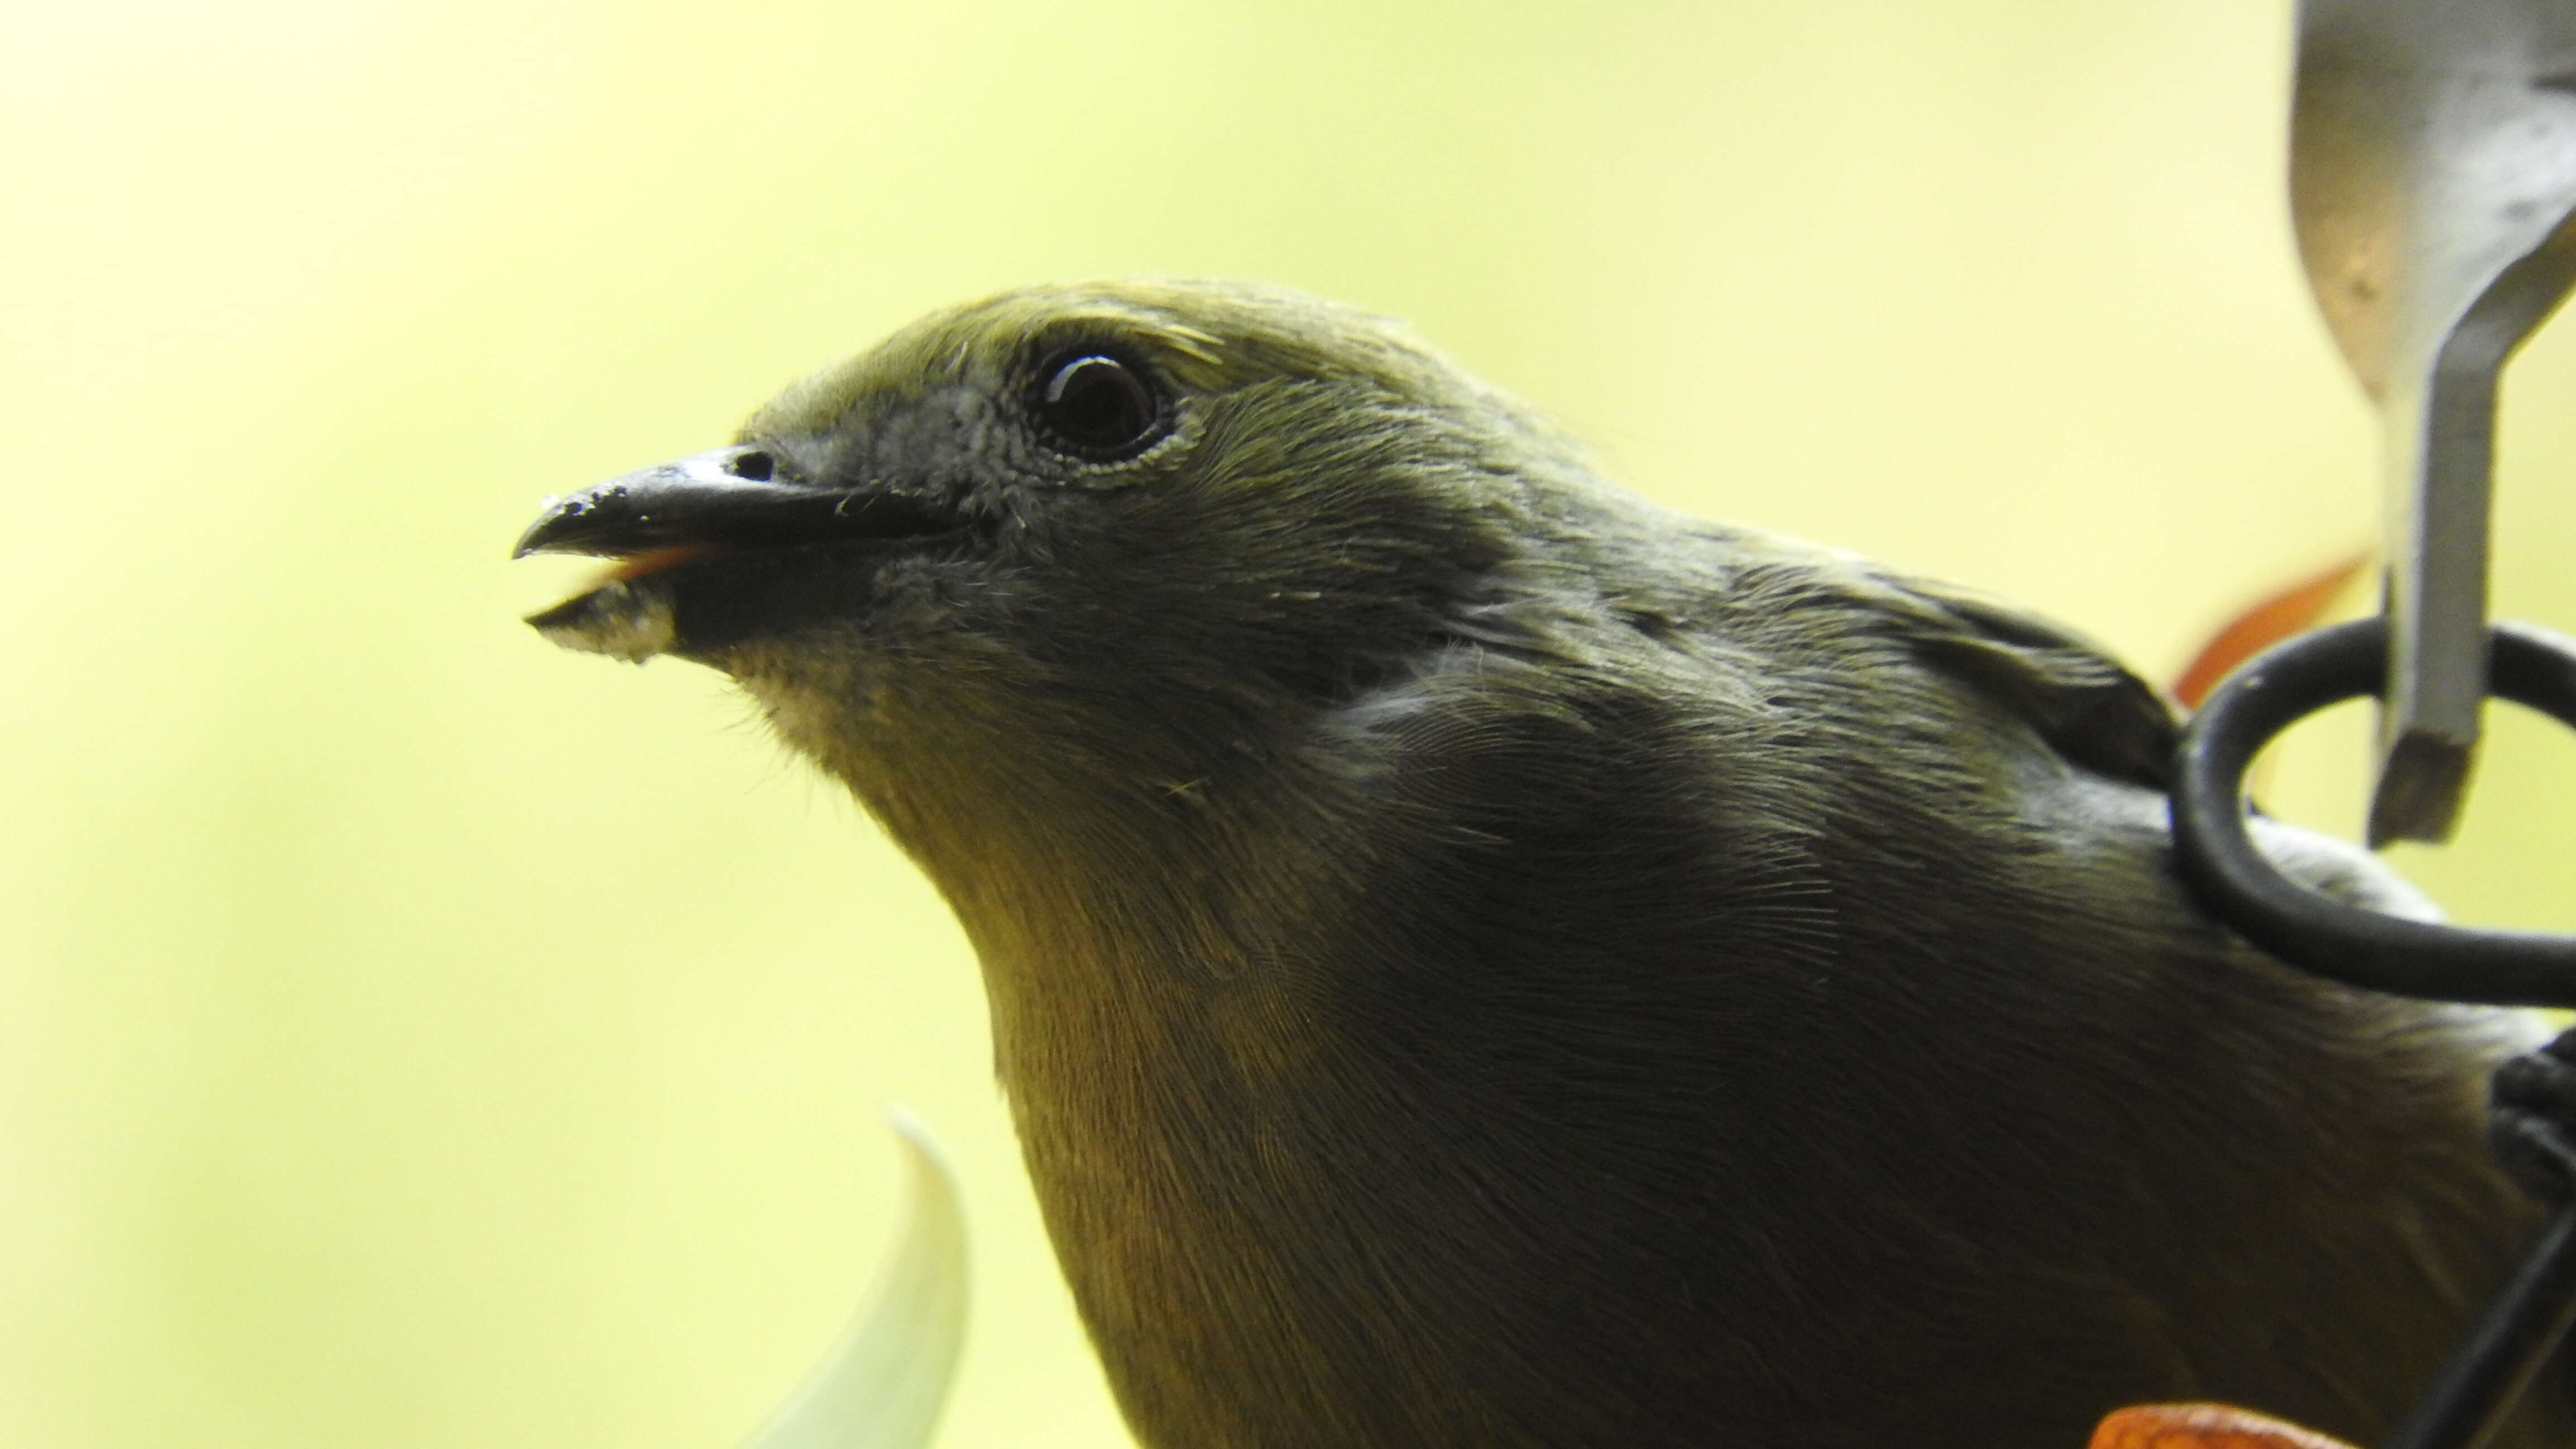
[756, 466]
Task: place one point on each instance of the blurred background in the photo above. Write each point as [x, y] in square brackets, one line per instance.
[413, 1035]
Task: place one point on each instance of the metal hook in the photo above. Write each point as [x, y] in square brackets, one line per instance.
[2432, 178]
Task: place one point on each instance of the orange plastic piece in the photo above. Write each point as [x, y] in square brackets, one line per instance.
[2267, 623]
[2203, 1426]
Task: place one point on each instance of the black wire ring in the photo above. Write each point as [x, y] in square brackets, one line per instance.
[2315, 932]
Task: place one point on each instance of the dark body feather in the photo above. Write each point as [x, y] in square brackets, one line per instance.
[1477, 960]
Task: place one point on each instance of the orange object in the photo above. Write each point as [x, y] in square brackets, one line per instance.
[2203, 1426]
[654, 560]
[2268, 622]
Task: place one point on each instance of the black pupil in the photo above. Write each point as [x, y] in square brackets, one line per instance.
[1096, 404]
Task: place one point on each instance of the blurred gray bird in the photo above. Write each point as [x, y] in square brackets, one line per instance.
[1479, 959]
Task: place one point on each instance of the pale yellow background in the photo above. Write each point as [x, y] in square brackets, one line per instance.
[411, 1035]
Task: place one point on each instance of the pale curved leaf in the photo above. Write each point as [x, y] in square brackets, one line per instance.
[882, 1385]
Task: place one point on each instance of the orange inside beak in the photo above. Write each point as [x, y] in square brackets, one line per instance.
[654, 560]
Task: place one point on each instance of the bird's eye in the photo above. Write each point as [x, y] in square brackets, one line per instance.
[1094, 406]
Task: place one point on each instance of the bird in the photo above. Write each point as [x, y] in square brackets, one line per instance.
[1476, 957]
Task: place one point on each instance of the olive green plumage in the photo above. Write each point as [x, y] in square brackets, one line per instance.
[1477, 959]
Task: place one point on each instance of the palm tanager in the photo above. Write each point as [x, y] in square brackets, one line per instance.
[1477, 959]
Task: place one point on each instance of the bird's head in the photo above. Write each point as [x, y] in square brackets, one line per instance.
[1135, 522]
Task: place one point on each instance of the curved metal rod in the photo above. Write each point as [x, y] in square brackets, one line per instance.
[2475, 1391]
[2315, 932]
[2513, 1338]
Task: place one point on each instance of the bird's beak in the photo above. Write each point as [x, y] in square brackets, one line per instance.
[717, 512]
[728, 496]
